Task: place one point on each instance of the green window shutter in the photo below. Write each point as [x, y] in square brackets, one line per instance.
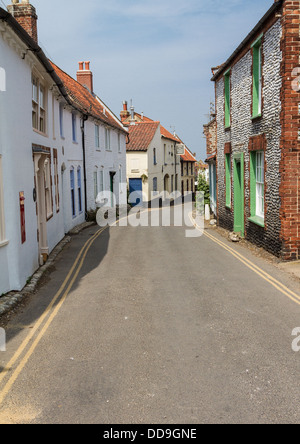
[227, 100]
[228, 180]
[257, 78]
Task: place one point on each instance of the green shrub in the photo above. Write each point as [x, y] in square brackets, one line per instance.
[204, 187]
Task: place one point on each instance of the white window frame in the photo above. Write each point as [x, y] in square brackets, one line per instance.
[74, 127]
[119, 143]
[101, 181]
[97, 137]
[107, 139]
[56, 181]
[96, 187]
[61, 120]
[48, 188]
[3, 240]
[39, 105]
[260, 184]
[155, 186]
[73, 192]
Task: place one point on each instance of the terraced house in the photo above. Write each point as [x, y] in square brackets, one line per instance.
[153, 165]
[257, 121]
[59, 146]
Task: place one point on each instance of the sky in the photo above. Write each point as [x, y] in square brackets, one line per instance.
[157, 53]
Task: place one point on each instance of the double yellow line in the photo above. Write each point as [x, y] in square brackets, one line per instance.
[270, 279]
[44, 321]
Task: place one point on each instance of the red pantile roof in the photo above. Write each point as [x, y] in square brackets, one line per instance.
[141, 135]
[188, 157]
[85, 101]
[167, 135]
[143, 118]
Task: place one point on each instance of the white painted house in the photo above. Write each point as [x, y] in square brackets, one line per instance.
[152, 161]
[51, 153]
[100, 136]
[31, 222]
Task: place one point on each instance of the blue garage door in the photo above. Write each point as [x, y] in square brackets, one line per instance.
[136, 186]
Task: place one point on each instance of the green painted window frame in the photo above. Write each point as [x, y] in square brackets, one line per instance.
[253, 192]
[228, 179]
[239, 186]
[257, 78]
[227, 82]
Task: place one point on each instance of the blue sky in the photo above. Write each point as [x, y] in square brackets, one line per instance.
[156, 52]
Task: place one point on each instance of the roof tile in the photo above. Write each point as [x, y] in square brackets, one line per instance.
[141, 135]
[84, 100]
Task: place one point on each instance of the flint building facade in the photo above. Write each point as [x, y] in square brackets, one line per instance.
[257, 142]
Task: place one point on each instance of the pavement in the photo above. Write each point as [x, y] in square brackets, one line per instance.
[291, 267]
[145, 326]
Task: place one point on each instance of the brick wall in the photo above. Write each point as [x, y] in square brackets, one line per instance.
[290, 121]
[210, 132]
[25, 14]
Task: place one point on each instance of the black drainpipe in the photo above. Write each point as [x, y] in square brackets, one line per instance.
[84, 119]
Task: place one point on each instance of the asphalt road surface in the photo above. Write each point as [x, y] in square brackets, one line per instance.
[155, 329]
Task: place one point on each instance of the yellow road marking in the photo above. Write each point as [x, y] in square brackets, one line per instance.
[24, 344]
[81, 257]
[275, 283]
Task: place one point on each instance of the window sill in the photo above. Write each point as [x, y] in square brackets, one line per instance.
[258, 221]
[254, 118]
[228, 128]
[4, 243]
[40, 133]
[228, 207]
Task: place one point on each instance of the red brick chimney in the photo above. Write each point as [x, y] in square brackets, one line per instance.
[125, 113]
[85, 76]
[25, 14]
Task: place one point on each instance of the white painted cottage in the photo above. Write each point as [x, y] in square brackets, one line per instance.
[57, 141]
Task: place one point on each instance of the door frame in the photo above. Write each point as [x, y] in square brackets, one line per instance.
[39, 159]
[132, 190]
[239, 193]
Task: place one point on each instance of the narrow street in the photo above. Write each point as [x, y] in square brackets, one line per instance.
[156, 329]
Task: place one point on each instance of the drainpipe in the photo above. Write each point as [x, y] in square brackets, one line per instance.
[84, 119]
[175, 155]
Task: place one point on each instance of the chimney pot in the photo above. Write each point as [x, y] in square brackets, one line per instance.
[125, 113]
[85, 76]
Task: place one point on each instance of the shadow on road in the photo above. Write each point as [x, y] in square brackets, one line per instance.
[27, 313]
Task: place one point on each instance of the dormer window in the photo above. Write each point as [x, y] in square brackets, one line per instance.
[39, 104]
